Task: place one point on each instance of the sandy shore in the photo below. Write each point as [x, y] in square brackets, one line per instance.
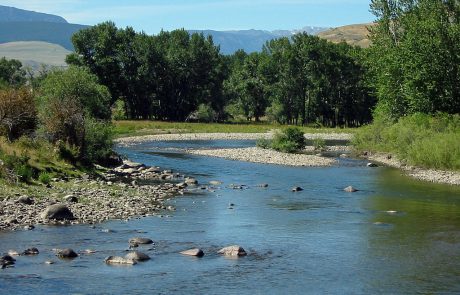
[259, 155]
[223, 136]
[431, 175]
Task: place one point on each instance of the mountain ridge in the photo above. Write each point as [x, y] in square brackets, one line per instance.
[13, 14]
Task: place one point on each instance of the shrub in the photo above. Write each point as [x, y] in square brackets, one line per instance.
[264, 143]
[44, 178]
[119, 110]
[290, 140]
[319, 144]
[205, 113]
[18, 115]
[19, 165]
[98, 141]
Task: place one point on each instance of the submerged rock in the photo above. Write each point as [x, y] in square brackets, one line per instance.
[193, 252]
[66, 253]
[350, 189]
[140, 241]
[371, 165]
[31, 251]
[191, 181]
[119, 260]
[234, 250]
[57, 212]
[137, 256]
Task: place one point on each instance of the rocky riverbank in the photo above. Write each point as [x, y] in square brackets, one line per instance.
[431, 175]
[259, 155]
[114, 194]
[223, 136]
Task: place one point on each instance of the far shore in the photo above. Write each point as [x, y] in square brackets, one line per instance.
[273, 157]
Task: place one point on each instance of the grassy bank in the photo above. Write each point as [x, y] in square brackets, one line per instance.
[418, 140]
[137, 128]
[29, 161]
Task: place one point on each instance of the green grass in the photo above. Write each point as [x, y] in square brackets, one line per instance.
[32, 160]
[419, 140]
[136, 128]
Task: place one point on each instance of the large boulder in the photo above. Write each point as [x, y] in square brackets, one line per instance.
[193, 252]
[31, 251]
[234, 250]
[137, 256]
[57, 212]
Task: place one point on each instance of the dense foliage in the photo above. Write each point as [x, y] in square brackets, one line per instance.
[177, 76]
[415, 57]
[419, 139]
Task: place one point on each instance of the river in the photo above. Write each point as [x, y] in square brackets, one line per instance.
[395, 235]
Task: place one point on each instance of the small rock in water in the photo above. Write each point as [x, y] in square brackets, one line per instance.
[119, 260]
[232, 251]
[350, 189]
[49, 262]
[89, 251]
[137, 256]
[263, 185]
[66, 253]
[29, 227]
[8, 259]
[297, 189]
[193, 252]
[140, 241]
[31, 251]
[191, 181]
[215, 182]
[13, 253]
[181, 185]
[371, 165]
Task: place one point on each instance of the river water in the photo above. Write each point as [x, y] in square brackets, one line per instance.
[395, 236]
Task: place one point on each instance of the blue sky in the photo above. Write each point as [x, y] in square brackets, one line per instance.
[152, 16]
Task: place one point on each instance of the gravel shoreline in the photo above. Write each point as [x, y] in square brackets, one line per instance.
[266, 156]
[116, 194]
[223, 136]
[430, 175]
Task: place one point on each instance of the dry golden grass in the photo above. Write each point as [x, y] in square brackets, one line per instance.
[357, 34]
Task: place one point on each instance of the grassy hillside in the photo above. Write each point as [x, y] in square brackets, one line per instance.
[352, 34]
[34, 53]
[56, 33]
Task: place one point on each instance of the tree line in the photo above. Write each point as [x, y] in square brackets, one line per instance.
[177, 76]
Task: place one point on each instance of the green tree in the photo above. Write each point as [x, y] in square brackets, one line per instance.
[11, 73]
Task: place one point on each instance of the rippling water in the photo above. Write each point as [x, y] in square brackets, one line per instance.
[395, 236]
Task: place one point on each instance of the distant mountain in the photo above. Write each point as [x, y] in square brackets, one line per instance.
[357, 34]
[250, 40]
[52, 32]
[11, 14]
[33, 53]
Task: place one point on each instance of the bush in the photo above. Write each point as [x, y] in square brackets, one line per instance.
[319, 144]
[19, 165]
[264, 143]
[118, 110]
[44, 178]
[18, 115]
[419, 139]
[98, 141]
[291, 140]
[205, 113]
